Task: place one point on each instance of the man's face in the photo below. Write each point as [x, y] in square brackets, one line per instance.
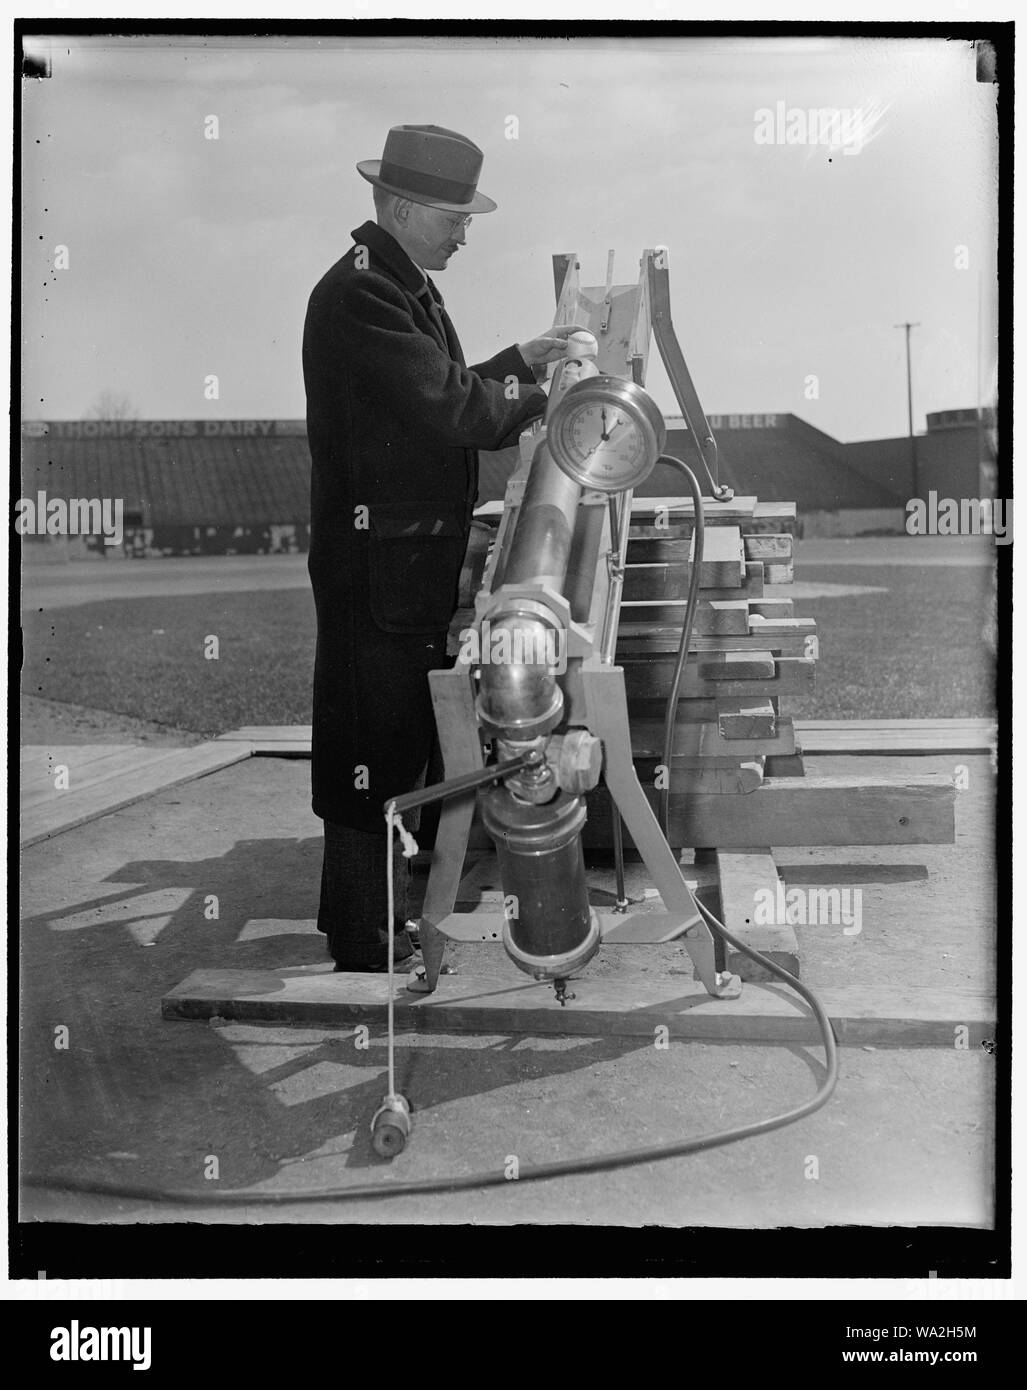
[434, 236]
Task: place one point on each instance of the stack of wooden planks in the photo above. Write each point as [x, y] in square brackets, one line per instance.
[737, 781]
[749, 650]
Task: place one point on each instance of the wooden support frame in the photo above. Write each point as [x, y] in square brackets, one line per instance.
[605, 711]
[741, 660]
[883, 1013]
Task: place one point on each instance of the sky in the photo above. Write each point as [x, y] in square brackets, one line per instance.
[790, 263]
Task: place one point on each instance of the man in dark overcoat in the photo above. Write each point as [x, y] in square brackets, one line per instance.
[394, 421]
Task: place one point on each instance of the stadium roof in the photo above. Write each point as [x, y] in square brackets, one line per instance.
[255, 472]
[189, 479]
[778, 458]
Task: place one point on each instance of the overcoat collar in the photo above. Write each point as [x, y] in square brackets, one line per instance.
[388, 250]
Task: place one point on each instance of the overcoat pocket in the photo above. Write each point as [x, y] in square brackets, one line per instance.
[416, 552]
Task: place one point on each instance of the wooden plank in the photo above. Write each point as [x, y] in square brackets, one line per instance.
[761, 729]
[651, 679]
[689, 710]
[682, 770]
[773, 628]
[649, 765]
[758, 519]
[746, 878]
[656, 581]
[716, 619]
[710, 663]
[723, 565]
[719, 762]
[680, 509]
[733, 779]
[914, 736]
[787, 765]
[771, 608]
[804, 811]
[767, 547]
[856, 736]
[778, 573]
[751, 586]
[741, 720]
[656, 638]
[880, 1014]
[86, 766]
[706, 739]
[74, 807]
[721, 617]
[668, 581]
[733, 665]
[675, 554]
[773, 516]
[35, 755]
[268, 733]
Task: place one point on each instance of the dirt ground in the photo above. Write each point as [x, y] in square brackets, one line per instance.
[52, 722]
[114, 916]
[115, 913]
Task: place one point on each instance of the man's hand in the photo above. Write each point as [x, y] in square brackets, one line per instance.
[549, 346]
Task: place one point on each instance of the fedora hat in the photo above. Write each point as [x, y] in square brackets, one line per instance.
[430, 165]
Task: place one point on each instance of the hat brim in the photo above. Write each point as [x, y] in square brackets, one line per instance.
[369, 169]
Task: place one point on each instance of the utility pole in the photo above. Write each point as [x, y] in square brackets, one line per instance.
[914, 470]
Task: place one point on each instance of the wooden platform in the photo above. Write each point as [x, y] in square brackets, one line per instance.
[857, 736]
[895, 1015]
[105, 777]
[62, 787]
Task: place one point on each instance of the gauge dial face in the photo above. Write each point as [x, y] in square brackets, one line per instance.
[605, 443]
[604, 434]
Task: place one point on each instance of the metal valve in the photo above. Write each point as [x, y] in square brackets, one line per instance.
[578, 758]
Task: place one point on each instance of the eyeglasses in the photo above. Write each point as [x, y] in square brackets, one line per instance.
[459, 223]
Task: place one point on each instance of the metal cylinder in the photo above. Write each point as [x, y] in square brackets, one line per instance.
[519, 697]
[550, 930]
[541, 544]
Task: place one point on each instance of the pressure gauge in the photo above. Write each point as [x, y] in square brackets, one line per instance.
[606, 433]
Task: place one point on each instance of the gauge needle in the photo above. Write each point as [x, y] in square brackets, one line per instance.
[603, 437]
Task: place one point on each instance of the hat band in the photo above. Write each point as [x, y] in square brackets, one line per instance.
[413, 181]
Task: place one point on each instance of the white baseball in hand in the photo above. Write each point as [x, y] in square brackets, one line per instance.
[582, 344]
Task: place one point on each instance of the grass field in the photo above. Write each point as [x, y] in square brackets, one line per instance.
[913, 652]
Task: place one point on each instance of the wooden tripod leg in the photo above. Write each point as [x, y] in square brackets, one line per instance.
[453, 698]
[443, 883]
[604, 686]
